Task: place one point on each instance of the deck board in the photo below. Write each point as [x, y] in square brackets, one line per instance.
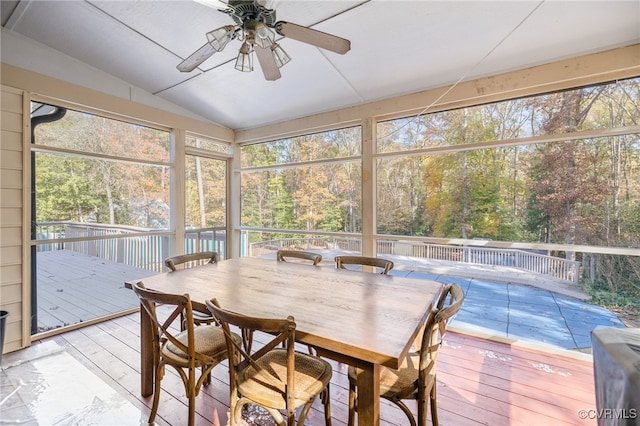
[479, 381]
[74, 288]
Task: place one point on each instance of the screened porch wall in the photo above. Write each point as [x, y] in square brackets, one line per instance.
[115, 96]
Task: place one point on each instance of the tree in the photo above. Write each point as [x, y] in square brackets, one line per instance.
[90, 186]
[565, 180]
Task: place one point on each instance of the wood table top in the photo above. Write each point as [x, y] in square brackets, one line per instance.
[361, 315]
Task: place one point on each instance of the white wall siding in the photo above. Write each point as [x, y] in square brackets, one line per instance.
[11, 212]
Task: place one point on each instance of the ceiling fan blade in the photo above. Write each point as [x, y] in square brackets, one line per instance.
[196, 58]
[267, 63]
[313, 37]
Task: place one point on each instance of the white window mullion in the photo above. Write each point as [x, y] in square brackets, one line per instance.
[368, 187]
[177, 221]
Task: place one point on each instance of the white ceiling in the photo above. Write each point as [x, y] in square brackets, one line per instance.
[397, 47]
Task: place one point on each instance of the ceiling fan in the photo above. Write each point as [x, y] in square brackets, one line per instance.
[256, 26]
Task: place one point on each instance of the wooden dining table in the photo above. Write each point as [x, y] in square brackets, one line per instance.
[359, 318]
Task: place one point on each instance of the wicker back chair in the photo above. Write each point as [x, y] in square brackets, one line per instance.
[282, 255]
[277, 379]
[416, 377]
[384, 264]
[192, 259]
[178, 348]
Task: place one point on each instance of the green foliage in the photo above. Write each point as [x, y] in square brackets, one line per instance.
[81, 186]
[612, 300]
[62, 191]
[205, 192]
[602, 295]
[306, 197]
[613, 281]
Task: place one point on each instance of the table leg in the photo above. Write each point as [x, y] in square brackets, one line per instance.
[369, 395]
[146, 354]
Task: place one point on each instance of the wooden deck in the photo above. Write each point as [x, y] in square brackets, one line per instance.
[75, 288]
[480, 382]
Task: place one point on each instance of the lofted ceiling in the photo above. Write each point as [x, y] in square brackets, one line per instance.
[397, 47]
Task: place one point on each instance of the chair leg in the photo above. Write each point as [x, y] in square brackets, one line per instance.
[302, 416]
[192, 409]
[233, 419]
[434, 408]
[156, 394]
[190, 387]
[247, 339]
[207, 380]
[407, 412]
[352, 404]
[325, 396]
[422, 411]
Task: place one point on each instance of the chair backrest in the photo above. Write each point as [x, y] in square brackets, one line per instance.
[282, 255]
[165, 329]
[282, 330]
[192, 259]
[378, 262]
[435, 328]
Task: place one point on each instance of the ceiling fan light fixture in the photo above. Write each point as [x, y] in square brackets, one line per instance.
[264, 36]
[220, 37]
[256, 26]
[281, 57]
[243, 61]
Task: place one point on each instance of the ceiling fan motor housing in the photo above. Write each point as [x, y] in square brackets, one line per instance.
[242, 11]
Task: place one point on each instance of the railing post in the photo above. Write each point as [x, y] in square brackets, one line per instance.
[92, 246]
[120, 249]
[164, 241]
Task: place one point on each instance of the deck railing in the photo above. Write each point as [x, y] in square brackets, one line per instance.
[267, 247]
[206, 239]
[563, 269]
[146, 251]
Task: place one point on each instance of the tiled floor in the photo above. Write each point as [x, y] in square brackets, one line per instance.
[520, 312]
